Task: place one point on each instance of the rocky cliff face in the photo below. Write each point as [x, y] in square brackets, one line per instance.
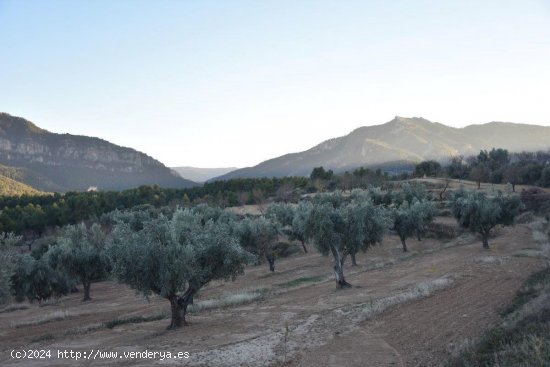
[78, 162]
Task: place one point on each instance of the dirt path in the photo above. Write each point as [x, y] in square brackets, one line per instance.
[326, 327]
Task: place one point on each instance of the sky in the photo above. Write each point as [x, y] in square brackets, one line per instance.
[232, 83]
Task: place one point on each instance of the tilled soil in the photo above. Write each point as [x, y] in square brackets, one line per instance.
[326, 327]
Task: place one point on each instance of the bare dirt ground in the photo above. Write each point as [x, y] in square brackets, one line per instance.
[326, 327]
[471, 185]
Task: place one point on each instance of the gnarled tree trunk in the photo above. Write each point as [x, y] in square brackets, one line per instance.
[339, 260]
[485, 240]
[404, 244]
[178, 306]
[304, 246]
[87, 286]
[353, 260]
[271, 261]
[176, 310]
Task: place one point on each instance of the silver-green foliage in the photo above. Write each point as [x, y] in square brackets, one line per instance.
[175, 257]
[80, 253]
[411, 218]
[411, 191]
[8, 258]
[38, 279]
[282, 212]
[259, 235]
[342, 229]
[424, 212]
[481, 213]
[298, 225]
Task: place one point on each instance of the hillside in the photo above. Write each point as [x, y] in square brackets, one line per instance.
[401, 140]
[9, 187]
[197, 174]
[63, 162]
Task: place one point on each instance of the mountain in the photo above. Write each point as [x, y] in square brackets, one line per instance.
[201, 174]
[400, 142]
[63, 162]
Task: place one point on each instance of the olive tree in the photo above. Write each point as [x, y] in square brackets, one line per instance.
[298, 225]
[215, 214]
[8, 261]
[373, 223]
[342, 230]
[325, 226]
[174, 258]
[259, 236]
[411, 191]
[376, 222]
[292, 218]
[81, 254]
[37, 280]
[481, 213]
[424, 212]
[411, 219]
[282, 212]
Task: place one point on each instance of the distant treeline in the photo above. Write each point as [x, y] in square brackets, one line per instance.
[495, 166]
[29, 213]
[32, 215]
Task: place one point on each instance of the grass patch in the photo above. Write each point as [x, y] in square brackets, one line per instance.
[133, 320]
[532, 288]
[14, 307]
[42, 338]
[526, 344]
[51, 317]
[301, 281]
[49, 302]
[85, 329]
[523, 338]
[235, 299]
[419, 291]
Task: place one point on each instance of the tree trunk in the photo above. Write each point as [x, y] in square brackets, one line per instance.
[479, 185]
[513, 187]
[485, 240]
[339, 270]
[353, 261]
[87, 286]
[271, 261]
[177, 316]
[304, 246]
[404, 244]
[178, 306]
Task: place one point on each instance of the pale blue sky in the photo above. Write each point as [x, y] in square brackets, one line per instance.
[232, 83]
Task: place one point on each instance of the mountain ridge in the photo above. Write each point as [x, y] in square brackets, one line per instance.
[64, 162]
[400, 140]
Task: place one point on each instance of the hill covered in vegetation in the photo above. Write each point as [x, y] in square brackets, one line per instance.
[64, 162]
[9, 187]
